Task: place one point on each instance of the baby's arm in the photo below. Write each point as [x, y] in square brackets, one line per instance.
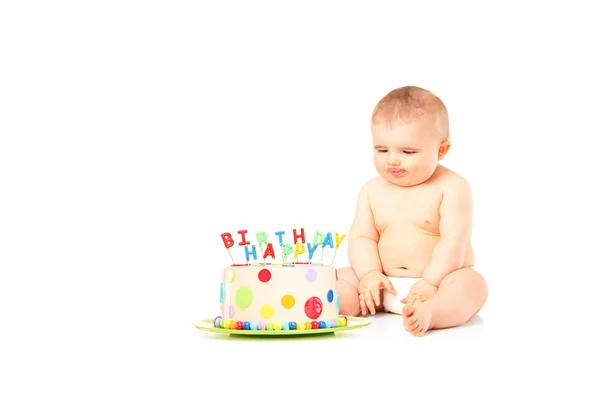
[363, 252]
[456, 216]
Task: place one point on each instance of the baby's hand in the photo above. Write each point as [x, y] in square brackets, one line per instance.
[368, 290]
[420, 291]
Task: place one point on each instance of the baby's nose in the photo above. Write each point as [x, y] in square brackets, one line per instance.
[393, 159]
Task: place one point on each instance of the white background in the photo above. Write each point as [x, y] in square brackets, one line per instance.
[134, 133]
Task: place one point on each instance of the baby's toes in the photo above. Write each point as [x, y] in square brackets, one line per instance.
[414, 327]
[405, 322]
[407, 313]
[417, 331]
[410, 322]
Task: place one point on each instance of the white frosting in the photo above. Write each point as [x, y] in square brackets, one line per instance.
[293, 281]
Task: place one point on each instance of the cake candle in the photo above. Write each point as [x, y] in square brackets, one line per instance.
[338, 241]
[228, 242]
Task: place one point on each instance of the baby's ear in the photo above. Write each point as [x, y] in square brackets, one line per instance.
[444, 148]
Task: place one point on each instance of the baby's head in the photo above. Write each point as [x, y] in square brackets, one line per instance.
[410, 135]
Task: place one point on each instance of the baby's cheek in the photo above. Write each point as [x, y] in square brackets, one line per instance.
[424, 163]
[412, 164]
[380, 164]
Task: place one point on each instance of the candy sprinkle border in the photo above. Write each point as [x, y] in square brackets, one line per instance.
[230, 324]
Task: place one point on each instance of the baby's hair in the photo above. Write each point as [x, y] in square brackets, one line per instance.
[412, 103]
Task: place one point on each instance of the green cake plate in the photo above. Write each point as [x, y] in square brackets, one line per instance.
[353, 323]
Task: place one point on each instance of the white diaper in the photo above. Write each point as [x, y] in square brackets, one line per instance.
[391, 302]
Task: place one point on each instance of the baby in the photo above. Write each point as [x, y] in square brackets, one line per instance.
[409, 246]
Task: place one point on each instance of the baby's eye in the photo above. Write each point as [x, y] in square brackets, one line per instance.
[382, 150]
[409, 152]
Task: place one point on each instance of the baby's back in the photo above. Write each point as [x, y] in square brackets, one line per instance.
[408, 222]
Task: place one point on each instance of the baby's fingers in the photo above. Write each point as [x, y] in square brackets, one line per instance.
[361, 303]
[412, 299]
[369, 302]
[375, 294]
[388, 286]
[409, 299]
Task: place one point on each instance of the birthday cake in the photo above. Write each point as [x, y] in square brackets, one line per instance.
[291, 295]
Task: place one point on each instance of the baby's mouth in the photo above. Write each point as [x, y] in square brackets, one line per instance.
[396, 171]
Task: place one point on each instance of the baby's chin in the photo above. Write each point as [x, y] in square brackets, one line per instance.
[403, 184]
[406, 180]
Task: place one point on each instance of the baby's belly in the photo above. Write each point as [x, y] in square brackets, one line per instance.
[406, 250]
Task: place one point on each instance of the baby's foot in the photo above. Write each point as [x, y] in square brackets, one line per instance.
[417, 318]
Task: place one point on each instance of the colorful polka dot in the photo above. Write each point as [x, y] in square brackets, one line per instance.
[337, 303]
[230, 312]
[222, 292]
[243, 297]
[264, 275]
[267, 311]
[313, 307]
[330, 296]
[288, 301]
[311, 275]
[230, 275]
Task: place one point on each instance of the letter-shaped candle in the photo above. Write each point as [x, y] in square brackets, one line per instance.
[299, 236]
[269, 251]
[328, 240]
[248, 253]
[339, 239]
[311, 250]
[280, 235]
[262, 238]
[228, 242]
[318, 238]
[300, 249]
[287, 250]
[244, 242]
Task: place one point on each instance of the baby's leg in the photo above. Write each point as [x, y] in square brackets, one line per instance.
[347, 287]
[460, 296]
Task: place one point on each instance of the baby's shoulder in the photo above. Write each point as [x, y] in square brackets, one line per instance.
[373, 184]
[449, 179]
